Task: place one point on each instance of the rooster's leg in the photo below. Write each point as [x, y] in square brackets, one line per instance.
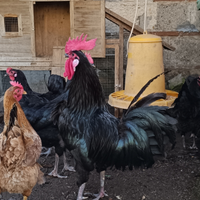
[183, 139]
[193, 138]
[25, 198]
[80, 192]
[55, 170]
[47, 153]
[66, 166]
[102, 192]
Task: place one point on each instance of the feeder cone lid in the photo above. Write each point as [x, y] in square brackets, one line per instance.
[145, 38]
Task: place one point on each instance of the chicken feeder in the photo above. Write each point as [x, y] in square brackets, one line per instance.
[145, 60]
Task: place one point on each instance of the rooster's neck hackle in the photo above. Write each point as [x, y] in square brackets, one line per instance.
[85, 91]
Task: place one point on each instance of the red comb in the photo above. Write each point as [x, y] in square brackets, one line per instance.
[16, 84]
[89, 58]
[8, 70]
[79, 44]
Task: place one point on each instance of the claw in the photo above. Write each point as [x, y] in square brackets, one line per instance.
[55, 174]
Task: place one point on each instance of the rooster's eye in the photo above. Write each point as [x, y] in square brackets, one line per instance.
[72, 54]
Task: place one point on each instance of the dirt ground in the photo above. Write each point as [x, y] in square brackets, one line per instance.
[174, 178]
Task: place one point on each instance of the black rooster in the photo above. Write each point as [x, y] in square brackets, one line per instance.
[187, 109]
[95, 137]
[37, 111]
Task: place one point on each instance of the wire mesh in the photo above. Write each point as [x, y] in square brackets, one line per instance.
[11, 24]
[105, 68]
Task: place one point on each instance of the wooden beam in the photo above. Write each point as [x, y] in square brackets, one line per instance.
[175, 33]
[112, 41]
[120, 21]
[117, 19]
[121, 60]
[173, 0]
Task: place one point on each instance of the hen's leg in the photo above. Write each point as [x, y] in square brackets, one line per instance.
[66, 166]
[25, 198]
[55, 170]
[183, 140]
[47, 153]
[193, 145]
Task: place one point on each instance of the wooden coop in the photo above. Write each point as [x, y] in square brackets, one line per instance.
[33, 34]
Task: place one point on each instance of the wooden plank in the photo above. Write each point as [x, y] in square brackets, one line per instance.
[112, 41]
[31, 5]
[58, 56]
[120, 21]
[88, 17]
[72, 32]
[56, 70]
[27, 68]
[44, 0]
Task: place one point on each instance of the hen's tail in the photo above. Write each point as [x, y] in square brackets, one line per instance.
[56, 84]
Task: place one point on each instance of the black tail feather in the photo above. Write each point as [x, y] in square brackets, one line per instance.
[149, 99]
[143, 89]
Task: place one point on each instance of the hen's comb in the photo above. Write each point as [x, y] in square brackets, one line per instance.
[16, 84]
[79, 44]
[89, 58]
[8, 70]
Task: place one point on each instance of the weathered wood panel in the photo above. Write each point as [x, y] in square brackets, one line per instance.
[20, 45]
[88, 17]
[52, 26]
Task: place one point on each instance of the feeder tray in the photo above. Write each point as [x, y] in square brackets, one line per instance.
[120, 100]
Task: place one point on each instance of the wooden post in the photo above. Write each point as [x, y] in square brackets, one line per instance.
[121, 60]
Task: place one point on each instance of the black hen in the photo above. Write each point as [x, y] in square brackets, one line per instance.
[187, 109]
[56, 86]
[37, 110]
[95, 137]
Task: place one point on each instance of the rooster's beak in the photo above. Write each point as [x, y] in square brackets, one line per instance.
[5, 75]
[24, 92]
[66, 55]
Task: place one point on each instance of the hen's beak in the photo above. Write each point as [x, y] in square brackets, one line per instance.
[66, 55]
[24, 92]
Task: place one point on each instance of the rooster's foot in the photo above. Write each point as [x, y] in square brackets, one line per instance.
[98, 196]
[55, 174]
[193, 147]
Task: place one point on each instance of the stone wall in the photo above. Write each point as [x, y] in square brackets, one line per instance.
[166, 16]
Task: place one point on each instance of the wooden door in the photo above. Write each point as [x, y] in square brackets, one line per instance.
[52, 26]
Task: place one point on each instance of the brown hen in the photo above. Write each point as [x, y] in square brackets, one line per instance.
[20, 147]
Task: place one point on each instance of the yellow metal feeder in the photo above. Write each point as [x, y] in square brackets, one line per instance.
[145, 60]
